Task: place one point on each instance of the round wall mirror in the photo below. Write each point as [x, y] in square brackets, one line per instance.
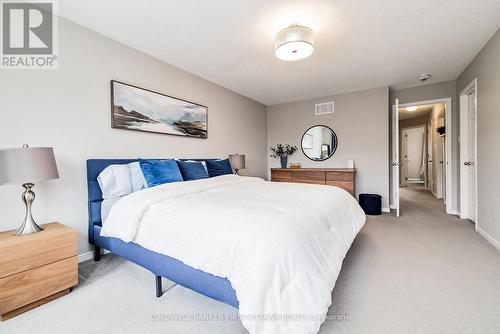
[319, 142]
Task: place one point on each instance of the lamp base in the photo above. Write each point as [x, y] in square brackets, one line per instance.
[29, 226]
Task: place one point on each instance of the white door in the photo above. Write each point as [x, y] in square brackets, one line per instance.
[468, 162]
[471, 161]
[395, 156]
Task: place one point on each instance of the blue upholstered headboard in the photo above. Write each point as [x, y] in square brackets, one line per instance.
[94, 168]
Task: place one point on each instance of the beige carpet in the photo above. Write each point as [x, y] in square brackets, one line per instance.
[425, 272]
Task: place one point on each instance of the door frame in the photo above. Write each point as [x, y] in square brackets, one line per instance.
[451, 186]
[463, 140]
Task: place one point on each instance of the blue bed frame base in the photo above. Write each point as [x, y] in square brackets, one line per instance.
[160, 265]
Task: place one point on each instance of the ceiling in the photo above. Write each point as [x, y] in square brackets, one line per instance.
[358, 44]
[421, 111]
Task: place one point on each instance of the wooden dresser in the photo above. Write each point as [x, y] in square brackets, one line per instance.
[340, 177]
[36, 268]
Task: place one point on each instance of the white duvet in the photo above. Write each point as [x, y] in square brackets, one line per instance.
[281, 245]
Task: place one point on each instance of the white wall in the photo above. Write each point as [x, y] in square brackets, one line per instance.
[69, 109]
[361, 124]
[486, 68]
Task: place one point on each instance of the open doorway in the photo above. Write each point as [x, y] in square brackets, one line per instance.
[423, 157]
[422, 165]
[412, 168]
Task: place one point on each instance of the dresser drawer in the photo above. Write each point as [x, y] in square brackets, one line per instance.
[30, 286]
[346, 185]
[280, 176]
[308, 177]
[339, 176]
[21, 253]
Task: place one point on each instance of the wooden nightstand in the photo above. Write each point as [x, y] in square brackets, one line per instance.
[36, 268]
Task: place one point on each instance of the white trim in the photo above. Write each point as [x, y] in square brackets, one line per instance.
[89, 255]
[464, 140]
[451, 186]
[386, 209]
[488, 238]
[85, 256]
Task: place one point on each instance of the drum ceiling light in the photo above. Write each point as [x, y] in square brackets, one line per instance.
[294, 43]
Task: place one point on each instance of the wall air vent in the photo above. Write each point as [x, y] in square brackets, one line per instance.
[324, 108]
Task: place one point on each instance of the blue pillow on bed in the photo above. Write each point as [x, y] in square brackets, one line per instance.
[158, 172]
[192, 170]
[219, 167]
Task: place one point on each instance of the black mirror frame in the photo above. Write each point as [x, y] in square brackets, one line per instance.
[333, 149]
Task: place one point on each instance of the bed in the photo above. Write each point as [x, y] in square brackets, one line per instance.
[160, 265]
[240, 240]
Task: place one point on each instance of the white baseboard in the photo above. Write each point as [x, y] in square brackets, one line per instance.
[488, 238]
[386, 209]
[85, 256]
[88, 255]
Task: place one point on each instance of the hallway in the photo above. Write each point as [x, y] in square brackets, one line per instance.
[415, 198]
[425, 272]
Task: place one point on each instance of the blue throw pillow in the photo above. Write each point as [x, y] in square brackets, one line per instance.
[219, 167]
[192, 170]
[158, 172]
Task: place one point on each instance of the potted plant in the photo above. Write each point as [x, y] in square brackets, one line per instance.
[283, 151]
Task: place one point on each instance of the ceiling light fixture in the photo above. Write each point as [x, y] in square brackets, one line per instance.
[411, 108]
[294, 43]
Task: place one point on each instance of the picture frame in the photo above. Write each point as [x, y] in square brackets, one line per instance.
[140, 109]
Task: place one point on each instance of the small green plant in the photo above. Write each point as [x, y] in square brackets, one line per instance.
[282, 150]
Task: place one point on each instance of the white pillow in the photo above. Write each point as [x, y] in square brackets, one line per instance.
[136, 176]
[114, 181]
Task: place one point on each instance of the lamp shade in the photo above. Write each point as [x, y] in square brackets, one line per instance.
[237, 161]
[294, 43]
[27, 164]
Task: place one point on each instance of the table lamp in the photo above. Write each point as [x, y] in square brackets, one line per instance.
[27, 165]
[237, 162]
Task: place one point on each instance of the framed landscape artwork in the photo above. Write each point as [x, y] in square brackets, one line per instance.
[139, 109]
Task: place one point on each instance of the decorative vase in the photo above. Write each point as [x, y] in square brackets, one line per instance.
[284, 161]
